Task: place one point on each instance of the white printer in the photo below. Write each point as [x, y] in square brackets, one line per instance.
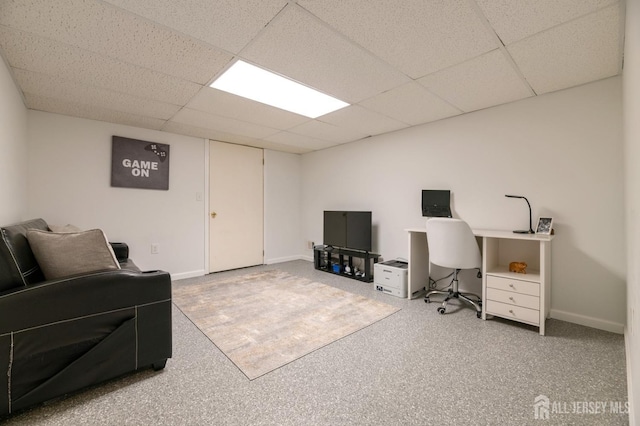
[391, 277]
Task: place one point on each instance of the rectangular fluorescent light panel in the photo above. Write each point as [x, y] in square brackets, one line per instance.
[263, 86]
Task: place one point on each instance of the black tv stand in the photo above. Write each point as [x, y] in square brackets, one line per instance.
[332, 259]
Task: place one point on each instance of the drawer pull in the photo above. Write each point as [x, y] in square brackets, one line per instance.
[511, 312]
[512, 286]
[512, 299]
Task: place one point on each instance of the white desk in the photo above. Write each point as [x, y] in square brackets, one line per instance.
[520, 297]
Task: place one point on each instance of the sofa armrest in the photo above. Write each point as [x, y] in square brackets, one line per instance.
[78, 296]
[121, 250]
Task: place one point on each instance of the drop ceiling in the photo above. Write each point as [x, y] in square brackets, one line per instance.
[148, 63]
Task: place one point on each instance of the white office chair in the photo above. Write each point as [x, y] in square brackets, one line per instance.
[453, 245]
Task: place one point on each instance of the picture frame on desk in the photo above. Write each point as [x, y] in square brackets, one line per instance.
[545, 225]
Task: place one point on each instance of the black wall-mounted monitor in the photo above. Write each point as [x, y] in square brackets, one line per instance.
[347, 229]
[436, 203]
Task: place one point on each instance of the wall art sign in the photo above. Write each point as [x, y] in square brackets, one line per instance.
[139, 164]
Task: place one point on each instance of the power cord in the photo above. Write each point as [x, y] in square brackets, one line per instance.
[433, 284]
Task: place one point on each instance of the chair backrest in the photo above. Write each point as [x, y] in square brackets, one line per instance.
[452, 244]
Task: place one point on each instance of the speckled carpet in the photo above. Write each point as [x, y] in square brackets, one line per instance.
[414, 368]
[268, 319]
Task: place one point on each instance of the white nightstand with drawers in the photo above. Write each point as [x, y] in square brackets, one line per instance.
[519, 297]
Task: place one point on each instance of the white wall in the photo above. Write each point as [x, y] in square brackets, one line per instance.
[70, 166]
[69, 182]
[631, 103]
[13, 151]
[282, 189]
[563, 151]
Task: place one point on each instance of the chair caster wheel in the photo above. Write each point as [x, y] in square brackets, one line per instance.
[479, 314]
[426, 300]
[441, 311]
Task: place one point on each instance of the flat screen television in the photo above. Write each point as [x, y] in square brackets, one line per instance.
[347, 229]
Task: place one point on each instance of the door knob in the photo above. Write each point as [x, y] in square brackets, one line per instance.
[213, 215]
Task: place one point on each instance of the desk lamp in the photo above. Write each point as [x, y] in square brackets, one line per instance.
[530, 231]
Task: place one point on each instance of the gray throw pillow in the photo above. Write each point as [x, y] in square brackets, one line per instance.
[64, 228]
[63, 254]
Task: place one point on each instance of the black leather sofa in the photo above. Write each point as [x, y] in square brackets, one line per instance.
[59, 336]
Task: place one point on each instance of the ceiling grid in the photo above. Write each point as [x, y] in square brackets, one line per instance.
[148, 63]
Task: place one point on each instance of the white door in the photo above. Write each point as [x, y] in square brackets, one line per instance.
[235, 206]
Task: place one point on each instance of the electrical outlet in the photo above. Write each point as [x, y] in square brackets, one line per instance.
[310, 244]
[154, 248]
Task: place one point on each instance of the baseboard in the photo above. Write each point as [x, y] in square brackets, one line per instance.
[282, 259]
[630, 394]
[201, 272]
[592, 322]
[190, 274]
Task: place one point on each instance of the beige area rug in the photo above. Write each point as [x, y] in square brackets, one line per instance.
[265, 320]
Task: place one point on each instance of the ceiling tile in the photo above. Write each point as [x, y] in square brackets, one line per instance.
[57, 106]
[57, 88]
[113, 32]
[267, 144]
[362, 121]
[200, 132]
[328, 132]
[223, 124]
[416, 36]
[412, 104]
[225, 104]
[300, 47]
[188, 130]
[46, 56]
[228, 24]
[300, 142]
[514, 20]
[482, 82]
[578, 52]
